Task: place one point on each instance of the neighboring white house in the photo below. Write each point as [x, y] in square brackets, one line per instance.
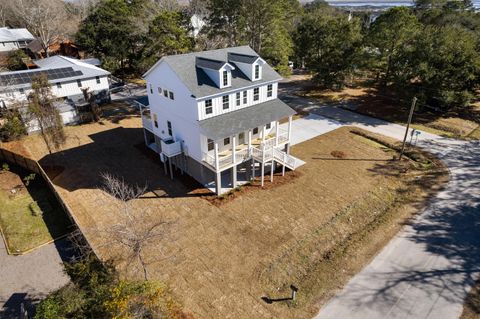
[14, 39]
[67, 76]
[215, 115]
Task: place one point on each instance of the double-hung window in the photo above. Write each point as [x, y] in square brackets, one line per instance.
[238, 98]
[169, 126]
[98, 79]
[244, 97]
[255, 131]
[210, 145]
[270, 90]
[225, 78]
[268, 126]
[257, 71]
[79, 83]
[256, 94]
[226, 102]
[226, 141]
[208, 107]
[165, 93]
[172, 97]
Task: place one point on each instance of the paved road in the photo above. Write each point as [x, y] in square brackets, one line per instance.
[29, 278]
[428, 268]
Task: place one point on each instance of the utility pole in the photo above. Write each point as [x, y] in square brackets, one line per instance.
[414, 102]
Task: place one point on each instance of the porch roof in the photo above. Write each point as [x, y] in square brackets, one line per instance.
[245, 119]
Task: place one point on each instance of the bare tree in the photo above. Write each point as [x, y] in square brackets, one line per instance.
[131, 230]
[41, 107]
[90, 98]
[46, 19]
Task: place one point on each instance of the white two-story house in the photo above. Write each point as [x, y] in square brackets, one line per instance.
[14, 39]
[216, 116]
[67, 76]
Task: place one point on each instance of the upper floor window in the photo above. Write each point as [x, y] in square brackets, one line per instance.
[210, 145]
[79, 83]
[155, 120]
[225, 78]
[169, 127]
[238, 98]
[159, 90]
[255, 131]
[244, 97]
[22, 91]
[256, 94]
[268, 126]
[270, 90]
[257, 71]
[165, 93]
[172, 97]
[208, 107]
[226, 102]
[98, 79]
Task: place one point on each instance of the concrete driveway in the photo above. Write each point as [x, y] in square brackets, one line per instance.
[427, 270]
[29, 278]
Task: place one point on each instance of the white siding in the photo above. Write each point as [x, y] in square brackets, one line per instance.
[181, 112]
[8, 46]
[217, 101]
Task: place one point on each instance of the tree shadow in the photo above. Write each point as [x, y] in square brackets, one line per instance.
[18, 305]
[122, 153]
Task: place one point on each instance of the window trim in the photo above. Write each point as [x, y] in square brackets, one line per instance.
[245, 97]
[208, 106]
[256, 96]
[210, 145]
[257, 72]
[270, 90]
[238, 99]
[169, 128]
[225, 78]
[226, 102]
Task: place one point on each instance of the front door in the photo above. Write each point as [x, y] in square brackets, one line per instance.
[241, 138]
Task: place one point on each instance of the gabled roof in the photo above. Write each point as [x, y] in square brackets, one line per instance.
[200, 84]
[57, 68]
[243, 58]
[9, 35]
[247, 118]
[209, 63]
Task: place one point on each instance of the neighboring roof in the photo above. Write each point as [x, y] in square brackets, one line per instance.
[8, 35]
[92, 61]
[243, 58]
[200, 84]
[232, 123]
[57, 68]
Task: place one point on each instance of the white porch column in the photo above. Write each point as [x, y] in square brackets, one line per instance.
[263, 165]
[277, 130]
[253, 168]
[234, 149]
[234, 176]
[218, 182]
[271, 171]
[263, 133]
[289, 128]
[249, 142]
[216, 155]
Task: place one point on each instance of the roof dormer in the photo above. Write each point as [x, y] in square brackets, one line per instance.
[219, 72]
[251, 65]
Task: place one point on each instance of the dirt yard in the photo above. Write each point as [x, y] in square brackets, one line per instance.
[315, 231]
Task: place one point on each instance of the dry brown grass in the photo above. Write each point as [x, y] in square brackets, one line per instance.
[471, 308]
[314, 231]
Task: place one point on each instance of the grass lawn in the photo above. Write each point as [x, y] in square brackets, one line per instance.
[30, 216]
[471, 308]
[314, 228]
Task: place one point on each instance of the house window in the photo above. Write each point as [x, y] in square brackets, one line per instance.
[79, 83]
[270, 90]
[255, 131]
[210, 145]
[208, 107]
[22, 91]
[268, 126]
[256, 94]
[59, 85]
[155, 120]
[244, 97]
[169, 126]
[225, 78]
[165, 93]
[159, 90]
[257, 71]
[151, 89]
[226, 141]
[238, 99]
[98, 79]
[226, 102]
[172, 97]
[241, 138]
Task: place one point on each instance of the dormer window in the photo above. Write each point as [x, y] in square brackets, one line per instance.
[225, 78]
[257, 71]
